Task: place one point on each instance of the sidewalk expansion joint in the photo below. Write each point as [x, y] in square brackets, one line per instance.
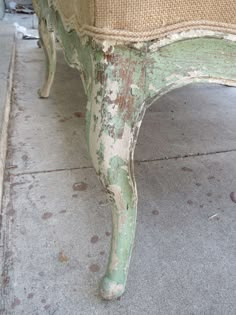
[136, 161]
[50, 171]
[190, 155]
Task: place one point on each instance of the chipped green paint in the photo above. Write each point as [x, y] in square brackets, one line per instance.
[196, 60]
[121, 81]
[118, 176]
[100, 153]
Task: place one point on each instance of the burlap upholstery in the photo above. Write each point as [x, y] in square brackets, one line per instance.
[140, 20]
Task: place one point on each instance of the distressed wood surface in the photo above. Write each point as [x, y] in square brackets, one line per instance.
[192, 60]
[121, 81]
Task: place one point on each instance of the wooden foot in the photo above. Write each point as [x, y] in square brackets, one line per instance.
[47, 39]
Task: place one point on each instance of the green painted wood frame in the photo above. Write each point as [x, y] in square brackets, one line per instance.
[121, 80]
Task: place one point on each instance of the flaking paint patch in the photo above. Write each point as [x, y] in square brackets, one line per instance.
[112, 89]
[152, 88]
[108, 46]
[111, 146]
[113, 110]
[139, 45]
[134, 86]
[230, 37]
[119, 199]
[196, 73]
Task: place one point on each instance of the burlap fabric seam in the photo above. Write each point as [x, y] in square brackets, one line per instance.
[117, 35]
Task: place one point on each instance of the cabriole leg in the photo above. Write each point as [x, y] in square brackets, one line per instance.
[113, 121]
[48, 41]
[114, 163]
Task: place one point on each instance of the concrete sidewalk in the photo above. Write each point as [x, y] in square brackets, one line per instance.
[57, 224]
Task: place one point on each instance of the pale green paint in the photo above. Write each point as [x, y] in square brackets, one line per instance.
[200, 59]
[121, 83]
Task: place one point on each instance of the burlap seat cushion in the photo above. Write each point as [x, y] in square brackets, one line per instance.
[139, 20]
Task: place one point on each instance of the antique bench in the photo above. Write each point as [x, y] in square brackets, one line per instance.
[129, 53]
